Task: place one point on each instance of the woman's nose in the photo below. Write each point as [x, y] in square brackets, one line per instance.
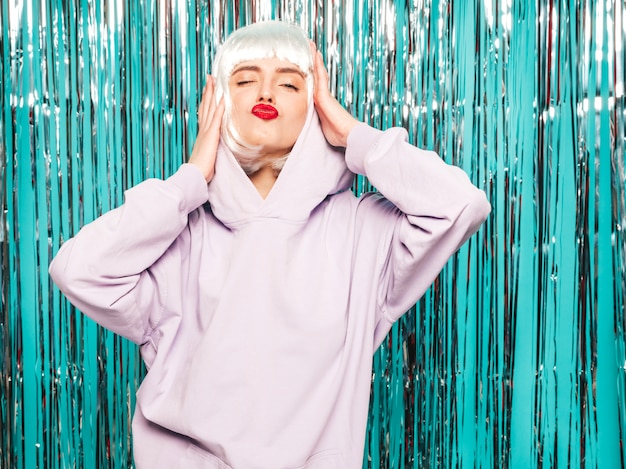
[265, 93]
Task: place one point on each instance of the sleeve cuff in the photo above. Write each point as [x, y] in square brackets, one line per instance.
[365, 140]
[361, 140]
[191, 183]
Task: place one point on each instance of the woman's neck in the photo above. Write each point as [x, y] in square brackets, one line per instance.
[264, 179]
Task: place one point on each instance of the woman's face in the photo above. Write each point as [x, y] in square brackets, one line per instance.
[269, 104]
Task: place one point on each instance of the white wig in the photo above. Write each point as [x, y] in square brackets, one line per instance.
[264, 40]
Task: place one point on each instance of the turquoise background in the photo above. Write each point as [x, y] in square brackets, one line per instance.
[516, 355]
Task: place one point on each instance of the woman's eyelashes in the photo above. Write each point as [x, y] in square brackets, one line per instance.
[290, 86]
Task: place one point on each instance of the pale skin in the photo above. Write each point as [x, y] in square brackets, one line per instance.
[274, 84]
[335, 121]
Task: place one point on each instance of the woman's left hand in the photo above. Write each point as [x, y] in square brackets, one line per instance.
[335, 120]
[209, 121]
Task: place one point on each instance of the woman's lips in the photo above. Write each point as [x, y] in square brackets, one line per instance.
[265, 111]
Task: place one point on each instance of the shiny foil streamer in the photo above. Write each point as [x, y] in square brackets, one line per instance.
[516, 355]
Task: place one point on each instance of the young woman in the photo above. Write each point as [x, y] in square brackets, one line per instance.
[256, 283]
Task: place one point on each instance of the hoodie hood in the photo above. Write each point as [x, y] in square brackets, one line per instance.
[313, 171]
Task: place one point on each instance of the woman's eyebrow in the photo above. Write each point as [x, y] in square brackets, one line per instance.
[255, 68]
[290, 70]
[243, 68]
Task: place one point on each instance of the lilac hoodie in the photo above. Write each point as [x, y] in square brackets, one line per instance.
[258, 319]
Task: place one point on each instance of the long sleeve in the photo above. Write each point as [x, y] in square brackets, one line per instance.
[103, 266]
[437, 210]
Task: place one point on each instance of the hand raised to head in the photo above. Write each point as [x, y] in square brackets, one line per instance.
[209, 123]
[335, 120]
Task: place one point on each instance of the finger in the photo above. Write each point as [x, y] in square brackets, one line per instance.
[322, 69]
[320, 77]
[313, 48]
[205, 104]
[216, 119]
[212, 113]
[319, 74]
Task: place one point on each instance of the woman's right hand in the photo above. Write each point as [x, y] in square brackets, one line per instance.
[335, 120]
[209, 122]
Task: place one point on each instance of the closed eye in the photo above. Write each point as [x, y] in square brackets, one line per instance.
[291, 86]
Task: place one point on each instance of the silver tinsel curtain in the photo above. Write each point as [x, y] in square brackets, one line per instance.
[516, 355]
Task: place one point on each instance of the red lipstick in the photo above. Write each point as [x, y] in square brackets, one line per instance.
[265, 111]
